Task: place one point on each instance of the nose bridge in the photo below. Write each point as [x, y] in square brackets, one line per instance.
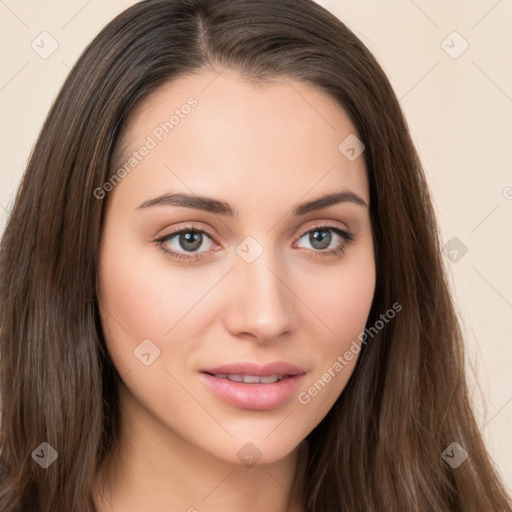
[261, 304]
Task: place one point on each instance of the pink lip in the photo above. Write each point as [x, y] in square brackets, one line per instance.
[254, 396]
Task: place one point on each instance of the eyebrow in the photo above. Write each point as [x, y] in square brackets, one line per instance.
[209, 204]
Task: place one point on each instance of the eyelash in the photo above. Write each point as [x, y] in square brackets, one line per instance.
[347, 238]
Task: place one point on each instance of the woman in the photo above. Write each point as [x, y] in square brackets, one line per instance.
[244, 370]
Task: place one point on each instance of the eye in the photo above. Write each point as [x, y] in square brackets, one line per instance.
[322, 236]
[184, 242]
[187, 239]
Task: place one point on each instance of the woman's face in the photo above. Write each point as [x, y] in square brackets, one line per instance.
[216, 259]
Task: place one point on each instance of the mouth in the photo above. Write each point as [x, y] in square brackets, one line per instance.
[250, 379]
[251, 386]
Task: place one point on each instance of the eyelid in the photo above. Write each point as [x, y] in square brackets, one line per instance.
[324, 225]
[188, 227]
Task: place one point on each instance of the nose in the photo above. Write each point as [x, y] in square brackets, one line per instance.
[260, 302]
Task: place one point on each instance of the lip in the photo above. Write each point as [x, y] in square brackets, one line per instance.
[254, 396]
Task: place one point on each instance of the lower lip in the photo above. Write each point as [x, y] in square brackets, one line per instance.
[253, 396]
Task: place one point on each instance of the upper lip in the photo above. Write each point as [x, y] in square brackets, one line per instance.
[250, 368]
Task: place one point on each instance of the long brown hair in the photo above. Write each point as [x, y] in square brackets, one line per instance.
[379, 448]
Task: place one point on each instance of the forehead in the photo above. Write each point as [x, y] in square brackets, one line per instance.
[279, 136]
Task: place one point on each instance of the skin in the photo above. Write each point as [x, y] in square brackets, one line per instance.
[263, 149]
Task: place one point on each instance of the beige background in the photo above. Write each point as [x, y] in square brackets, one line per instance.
[459, 109]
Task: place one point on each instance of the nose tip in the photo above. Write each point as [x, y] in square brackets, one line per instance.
[260, 305]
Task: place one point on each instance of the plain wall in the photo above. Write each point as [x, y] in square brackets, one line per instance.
[459, 110]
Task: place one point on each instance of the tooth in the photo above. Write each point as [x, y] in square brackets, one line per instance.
[268, 379]
[251, 379]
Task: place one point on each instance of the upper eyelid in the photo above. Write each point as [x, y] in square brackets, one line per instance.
[327, 226]
[177, 231]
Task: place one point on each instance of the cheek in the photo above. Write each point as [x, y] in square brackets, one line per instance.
[138, 285]
[342, 301]
[138, 308]
[132, 298]
[144, 297]
[341, 296]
